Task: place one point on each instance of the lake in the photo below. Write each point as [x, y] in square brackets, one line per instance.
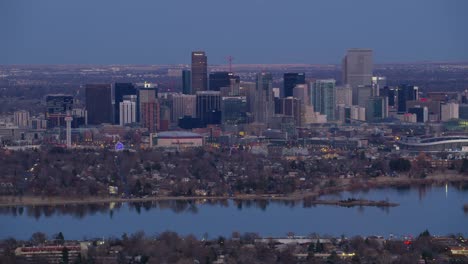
[438, 209]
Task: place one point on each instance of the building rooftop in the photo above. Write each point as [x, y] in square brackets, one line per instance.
[178, 134]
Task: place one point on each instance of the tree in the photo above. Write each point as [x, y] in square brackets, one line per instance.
[65, 257]
[60, 237]
[400, 165]
[425, 233]
[38, 238]
[319, 246]
[464, 166]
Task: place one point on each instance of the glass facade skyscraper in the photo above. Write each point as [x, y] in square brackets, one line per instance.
[199, 71]
[186, 82]
[323, 98]
[290, 81]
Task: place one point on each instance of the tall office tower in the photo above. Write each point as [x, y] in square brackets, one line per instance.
[449, 111]
[248, 89]
[357, 67]
[234, 110]
[291, 106]
[149, 107]
[377, 108]
[301, 92]
[361, 95]
[127, 110]
[199, 71]
[222, 79]
[378, 82]
[263, 99]
[186, 82]
[21, 119]
[291, 79]
[68, 120]
[57, 106]
[209, 107]
[391, 94]
[344, 95]
[406, 93]
[99, 103]
[120, 90]
[323, 98]
[183, 105]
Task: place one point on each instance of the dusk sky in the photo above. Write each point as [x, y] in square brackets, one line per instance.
[252, 31]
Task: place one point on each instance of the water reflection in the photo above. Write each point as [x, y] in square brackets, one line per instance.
[80, 211]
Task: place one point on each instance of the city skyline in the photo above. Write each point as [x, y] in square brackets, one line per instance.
[158, 33]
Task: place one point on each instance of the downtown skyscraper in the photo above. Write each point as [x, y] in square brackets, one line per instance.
[292, 79]
[199, 72]
[264, 104]
[357, 69]
[99, 103]
[323, 98]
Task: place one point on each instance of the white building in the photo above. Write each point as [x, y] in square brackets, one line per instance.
[358, 113]
[449, 111]
[176, 139]
[21, 119]
[127, 110]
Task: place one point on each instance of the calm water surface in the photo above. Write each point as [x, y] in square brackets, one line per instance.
[438, 209]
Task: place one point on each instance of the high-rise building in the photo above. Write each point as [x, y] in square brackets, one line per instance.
[57, 106]
[361, 95]
[121, 90]
[344, 95]
[183, 105]
[291, 79]
[99, 103]
[323, 98]
[449, 111]
[357, 67]
[234, 110]
[301, 92]
[291, 106]
[406, 93]
[199, 71]
[149, 107]
[186, 82]
[21, 118]
[263, 99]
[222, 79]
[391, 94]
[127, 110]
[377, 108]
[209, 107]
[378, 82]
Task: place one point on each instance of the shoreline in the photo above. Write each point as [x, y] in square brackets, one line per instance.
[309, 196]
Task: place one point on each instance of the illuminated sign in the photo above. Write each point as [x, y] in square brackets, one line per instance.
[119, 146]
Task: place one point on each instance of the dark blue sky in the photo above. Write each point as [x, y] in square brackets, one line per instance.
[252, 31]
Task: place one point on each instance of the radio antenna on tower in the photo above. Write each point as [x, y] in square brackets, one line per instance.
[230, 59]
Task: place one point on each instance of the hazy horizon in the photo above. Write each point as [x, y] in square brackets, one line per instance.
[54, 32]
